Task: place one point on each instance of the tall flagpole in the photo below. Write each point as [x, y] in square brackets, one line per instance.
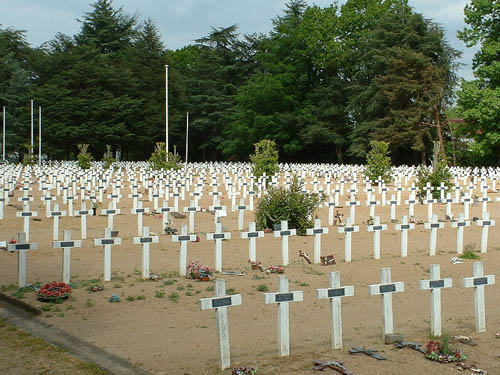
[32, 128]
[39, 136]
[166, 109]
[3, 136]
[187, 137]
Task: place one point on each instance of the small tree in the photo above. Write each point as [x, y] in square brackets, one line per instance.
[437, 175]
[84, 157]
[108, 158]
[159, 160]
[265, 158]
[289, 204]
[378, 161]
[28, 158]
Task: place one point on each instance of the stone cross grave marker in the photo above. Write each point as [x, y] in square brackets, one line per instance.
[183, 238]
[110, 212]
[352, 208]
[334, 294]
[460, 224]
[467, 200]
[26, 214]
[393, 202]
[107, 241]
[139, 210]
[218, 236]
[47, 199]
[56, 214]
[66, 244]
[145, 240]
[252, 236]
[165, 213]
[385, 289]
[429, 202]
[449, 200]
[218, 210]
[434, 285]
[317, 231]
[404, 227]
[486, 222]
[241, 208]
[83, 212]
[376, 228]
[191, 209]
[220, 303]
[478, 282]
[283, 297]
[21, 246]
[434, 225]
[348, 229]
[284, 233]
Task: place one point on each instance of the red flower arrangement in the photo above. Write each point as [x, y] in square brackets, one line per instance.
[54, 292]
[195, 270]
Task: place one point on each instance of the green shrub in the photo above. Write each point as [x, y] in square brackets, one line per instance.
[262, 288]
[265, 158]
[440, 174]
[84, 158]
[288, 204]
[378, 162]
[108, 158]
[159, 160]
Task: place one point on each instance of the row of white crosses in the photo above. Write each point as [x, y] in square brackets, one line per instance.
[283, 297]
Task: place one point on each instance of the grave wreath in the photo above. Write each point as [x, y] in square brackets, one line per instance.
[439, 352]
[54, 292]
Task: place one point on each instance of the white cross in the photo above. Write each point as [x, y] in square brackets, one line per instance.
[183, 238]
[241, 208]
[21, 246]
[55, 215]
[192, 209]
[434, 285]
[449, 200]
[252, 236]
[385, 289]
[317, 231]
[107, 242]
[110, 212]
[220, 303]
[466, 201]
[485, 223]
[284, 233]
[218, 236]
[376, 228]
[334, 294]
[165, 212]
[348, 229]
[433, 225]
[139, 211]
[135, 196]
[26, 214]
[83, 212]
[404, 227]
[282, 298]
[411, 204]
[219, 211]
[429, 203]
[66, 244]
[393, 202]
[145, 240]
[352, 208]
[478, 281]
[460, 224]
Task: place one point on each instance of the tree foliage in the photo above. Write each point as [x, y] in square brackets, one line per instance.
[265, 158]
[478, 100]
[321, 84]
[378, 163]
[290, 204]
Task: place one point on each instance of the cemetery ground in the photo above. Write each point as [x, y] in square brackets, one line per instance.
[159, 326]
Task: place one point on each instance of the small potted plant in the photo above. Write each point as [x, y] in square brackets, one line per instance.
[54, 292]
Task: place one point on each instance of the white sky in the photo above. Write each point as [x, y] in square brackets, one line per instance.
[182, 21]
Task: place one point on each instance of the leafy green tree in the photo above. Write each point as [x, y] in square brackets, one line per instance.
[440, 173]
[478, 99]
[265, 158]
[159, 159]
[289, 204]
[84, 158]
[378, 162]
[108, 158]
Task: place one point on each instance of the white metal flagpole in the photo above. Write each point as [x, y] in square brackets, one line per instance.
[187, 136]
[3, 136]
[39, 136]
[166, 109]
[32, 128]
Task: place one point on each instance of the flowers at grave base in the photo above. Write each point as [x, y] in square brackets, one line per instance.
[436, 351]
[12, 241]
[275, 269]
[257, 266]
[244, 371]
[54, 292]
[195, 270]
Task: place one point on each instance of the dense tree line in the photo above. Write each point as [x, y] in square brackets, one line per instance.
[321, 84]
